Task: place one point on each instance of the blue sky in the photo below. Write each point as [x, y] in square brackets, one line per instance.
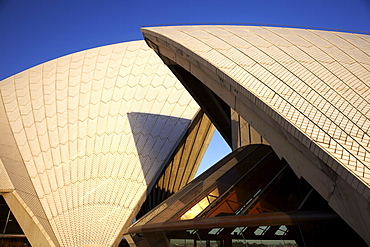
[35, 31]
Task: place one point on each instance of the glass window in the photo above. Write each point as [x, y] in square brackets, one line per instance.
[239, 243]
[211, 243]
[201, 205]
[201, 243]
[215, 231]
[189, 242]
[259, 242]
[191, 231]
[254, 242]
[181, 242]
[282, 243]
[261, 230]
[177, 243]
[283, 230]
[238, 230]
[214, 243]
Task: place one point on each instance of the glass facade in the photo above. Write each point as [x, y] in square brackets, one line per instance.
[250, 198]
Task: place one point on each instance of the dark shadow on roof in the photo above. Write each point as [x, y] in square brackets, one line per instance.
[156, 137]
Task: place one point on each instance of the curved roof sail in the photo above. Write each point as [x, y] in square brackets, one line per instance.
[307, 93]
[84, 137]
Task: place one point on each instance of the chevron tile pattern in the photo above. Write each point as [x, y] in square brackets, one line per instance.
[314, 83]
[73, 120]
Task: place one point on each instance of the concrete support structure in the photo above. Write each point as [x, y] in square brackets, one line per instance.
[243, 133]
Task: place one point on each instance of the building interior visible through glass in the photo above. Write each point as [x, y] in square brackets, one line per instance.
[249, 198]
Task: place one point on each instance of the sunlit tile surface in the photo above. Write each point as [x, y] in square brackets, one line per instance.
[316, 82]
[93, 129]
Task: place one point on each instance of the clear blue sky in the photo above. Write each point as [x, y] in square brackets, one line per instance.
[35, 31]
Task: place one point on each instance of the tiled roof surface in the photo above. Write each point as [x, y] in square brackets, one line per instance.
[93, 129]
[316, 81]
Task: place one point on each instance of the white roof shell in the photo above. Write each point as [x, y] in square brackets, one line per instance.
[307, 92]
[316, 80]
[87, 135]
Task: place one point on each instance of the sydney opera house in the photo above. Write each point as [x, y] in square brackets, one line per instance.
[100, 147]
